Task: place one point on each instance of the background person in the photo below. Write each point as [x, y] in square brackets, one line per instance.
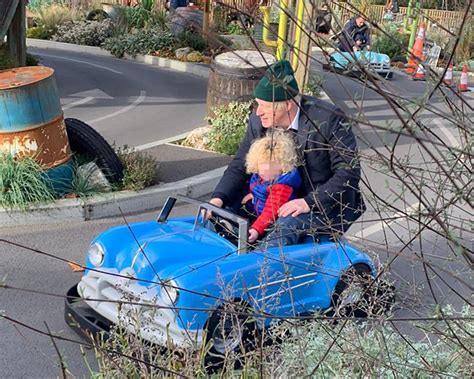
[329, 199]
[355, 35]
[323, 20]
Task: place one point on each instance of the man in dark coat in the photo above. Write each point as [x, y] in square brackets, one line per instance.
[323, 20]
[330, 198]
[355, 35]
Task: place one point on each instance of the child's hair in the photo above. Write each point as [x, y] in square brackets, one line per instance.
[277, 146]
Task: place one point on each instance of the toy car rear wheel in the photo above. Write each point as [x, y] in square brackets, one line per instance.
[232, 332]
[350, 297]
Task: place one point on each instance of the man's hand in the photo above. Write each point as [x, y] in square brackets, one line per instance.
[253, 235]
[294, 208]
[368, 47]
[248, 197]
[216, 202]
[355, 48]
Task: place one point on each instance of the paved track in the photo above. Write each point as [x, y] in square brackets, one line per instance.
[127, 102]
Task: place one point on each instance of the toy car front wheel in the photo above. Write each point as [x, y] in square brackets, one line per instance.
[231, 329]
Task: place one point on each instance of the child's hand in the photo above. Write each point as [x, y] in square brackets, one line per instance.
[253, 235]
[248, 197]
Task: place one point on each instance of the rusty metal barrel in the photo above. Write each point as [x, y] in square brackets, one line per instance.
[31, 119]
[234, 76]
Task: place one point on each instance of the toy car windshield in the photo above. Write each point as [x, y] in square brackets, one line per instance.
[232, 227]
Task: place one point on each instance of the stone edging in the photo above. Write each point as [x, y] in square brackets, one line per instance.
[112, 205]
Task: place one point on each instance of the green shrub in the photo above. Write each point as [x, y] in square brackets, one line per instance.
[22, 183]
[234, 28]
[6, 60]
[140, 169]
[90, 33]
[140, 42]
[314, 86]
[392, 43]
[39, 32]
[228, 127]
[34, 5]
[193, 40]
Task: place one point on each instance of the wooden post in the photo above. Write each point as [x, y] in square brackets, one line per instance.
[16, 35]
[205, 20]
[302, 72]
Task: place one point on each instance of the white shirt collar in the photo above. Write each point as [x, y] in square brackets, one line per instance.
[294, 124]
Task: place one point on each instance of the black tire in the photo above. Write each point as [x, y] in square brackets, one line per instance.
[85, 140]
[231, 332]
[369, 298]
[357, 280]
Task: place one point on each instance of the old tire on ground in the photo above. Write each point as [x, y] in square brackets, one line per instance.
[231, 330]
[85, 140]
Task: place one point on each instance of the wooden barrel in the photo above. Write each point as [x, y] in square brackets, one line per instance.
[31, 119]
[234, 76]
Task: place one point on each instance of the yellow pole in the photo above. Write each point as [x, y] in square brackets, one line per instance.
[298, 32]
[282, 27]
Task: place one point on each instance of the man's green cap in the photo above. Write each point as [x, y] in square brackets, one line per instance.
[278, 84]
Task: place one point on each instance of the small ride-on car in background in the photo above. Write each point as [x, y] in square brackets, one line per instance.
[183, 281]
[359, 63]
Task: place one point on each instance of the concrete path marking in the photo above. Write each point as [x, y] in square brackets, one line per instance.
[161, 142]
[364, 233]
[129, 107]
[83, 62]
[78, 102]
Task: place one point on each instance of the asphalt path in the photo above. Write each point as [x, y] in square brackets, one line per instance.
[129, 103]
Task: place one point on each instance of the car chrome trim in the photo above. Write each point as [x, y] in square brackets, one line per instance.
[283, 290]
[290, 278]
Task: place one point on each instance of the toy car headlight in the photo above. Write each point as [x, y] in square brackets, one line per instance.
[96, 254]
[169, 292]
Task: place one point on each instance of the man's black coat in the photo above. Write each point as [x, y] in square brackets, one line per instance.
[330, 167]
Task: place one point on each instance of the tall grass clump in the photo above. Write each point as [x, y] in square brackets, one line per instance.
[22, 183]
[140, 169]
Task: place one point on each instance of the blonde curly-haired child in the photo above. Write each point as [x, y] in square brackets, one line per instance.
[272, 161]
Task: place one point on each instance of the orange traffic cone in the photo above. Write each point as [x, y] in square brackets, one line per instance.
[417, 51]
[420, 73]
[463, 86]
[448, 77]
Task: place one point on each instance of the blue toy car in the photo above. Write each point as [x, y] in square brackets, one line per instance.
[358, 63]
[182, 282]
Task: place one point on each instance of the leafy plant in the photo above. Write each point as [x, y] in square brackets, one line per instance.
[39, 32]
[235, 28]
[35, 5]
[314, 86]
[391, 42]
[22, 183]
[142, 42]
[228, 127]
[140, 169]
[91, 33]
[6, 60]
[193, 40]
